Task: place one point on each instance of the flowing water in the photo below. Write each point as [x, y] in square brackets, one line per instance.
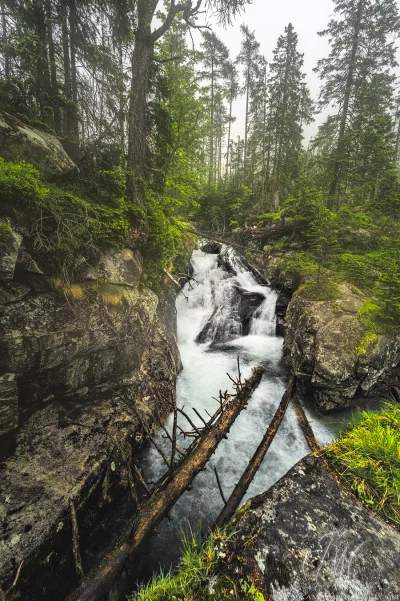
[212, 307]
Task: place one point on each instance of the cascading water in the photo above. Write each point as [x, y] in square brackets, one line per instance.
[210, 340]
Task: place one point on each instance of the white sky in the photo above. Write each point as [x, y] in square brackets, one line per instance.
[268, 18]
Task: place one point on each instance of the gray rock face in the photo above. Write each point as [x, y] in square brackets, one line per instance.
[71, 372]
[8, 403]
[20, 142]
[123, 268]
[322, 345]
[312, 540]
[9, 249]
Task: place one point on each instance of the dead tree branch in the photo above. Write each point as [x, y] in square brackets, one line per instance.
[248, 475]
[75, 543]
[221, 492]
[98, 582]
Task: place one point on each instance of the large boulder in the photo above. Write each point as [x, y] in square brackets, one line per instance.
[322, 343]
[21, 142]
[118, 267]
[308, 539]
[211, 248]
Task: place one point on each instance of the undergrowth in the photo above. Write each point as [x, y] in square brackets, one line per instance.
[197, 576]
[366, 458]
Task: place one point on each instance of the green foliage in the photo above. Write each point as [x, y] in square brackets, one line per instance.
[198, 564]
[20, 186]
[165, 237]
[367, 344]
[61, 222]
[5, 230]
[366, 459]
[300, 269]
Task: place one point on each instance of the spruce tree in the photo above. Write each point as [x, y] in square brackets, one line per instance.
[361, 35]
[290, 108]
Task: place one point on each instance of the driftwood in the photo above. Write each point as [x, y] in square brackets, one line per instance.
[306, 427]
[164, 496]
[241, 488]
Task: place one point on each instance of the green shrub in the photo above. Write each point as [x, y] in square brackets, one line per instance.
[366, 459]
[62, 223]
[5, 230]
[20, 186]
[165, 237]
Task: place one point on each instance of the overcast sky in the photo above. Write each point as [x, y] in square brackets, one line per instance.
[268, 18]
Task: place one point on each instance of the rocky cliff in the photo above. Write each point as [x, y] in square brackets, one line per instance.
[325, 341]
[78, 364]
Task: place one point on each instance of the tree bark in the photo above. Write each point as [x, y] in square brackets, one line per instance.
[100, 579]
[248, 476]
[346, 104]
[53, 71]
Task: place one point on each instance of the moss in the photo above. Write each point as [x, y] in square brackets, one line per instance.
[5, 230]
[366, 458]
[319, 291]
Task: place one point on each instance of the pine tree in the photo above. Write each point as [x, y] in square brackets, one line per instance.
[290, 109]
[362, 48]
[249, 59]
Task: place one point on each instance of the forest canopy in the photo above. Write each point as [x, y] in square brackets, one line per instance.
[142, 94]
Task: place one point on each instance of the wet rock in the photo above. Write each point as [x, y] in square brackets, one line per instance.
[19, 141]
[250, 302]
[118, 267]
[312, 540]
[8, 403]
[212, 248]
[9, 249]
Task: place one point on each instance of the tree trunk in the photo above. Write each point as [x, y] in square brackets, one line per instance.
[53, 71]
[100, 579]
[211, 171]
[346, 104]
[141, 63]
[248, 476]
[246, 130]
[7, 62]
[74, 115]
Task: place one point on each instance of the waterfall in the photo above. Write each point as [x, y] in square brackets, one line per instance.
[211, 311]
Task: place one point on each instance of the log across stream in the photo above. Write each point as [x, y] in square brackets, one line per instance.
[210, 336]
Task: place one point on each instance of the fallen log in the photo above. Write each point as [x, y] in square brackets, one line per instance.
[242, 486]
[99, 580]
[306, 427]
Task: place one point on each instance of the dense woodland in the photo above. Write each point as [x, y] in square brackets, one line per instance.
[142, 96]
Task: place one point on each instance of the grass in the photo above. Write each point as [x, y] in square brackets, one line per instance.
[366, 458]
[195, 578]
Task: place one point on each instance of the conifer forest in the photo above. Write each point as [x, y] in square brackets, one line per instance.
[199, 300]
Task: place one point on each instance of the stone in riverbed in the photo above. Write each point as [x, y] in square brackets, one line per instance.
[212, 248]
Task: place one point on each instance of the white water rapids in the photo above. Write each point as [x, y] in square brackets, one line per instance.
[205, 373]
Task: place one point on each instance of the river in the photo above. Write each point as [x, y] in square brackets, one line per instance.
[213, 294]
